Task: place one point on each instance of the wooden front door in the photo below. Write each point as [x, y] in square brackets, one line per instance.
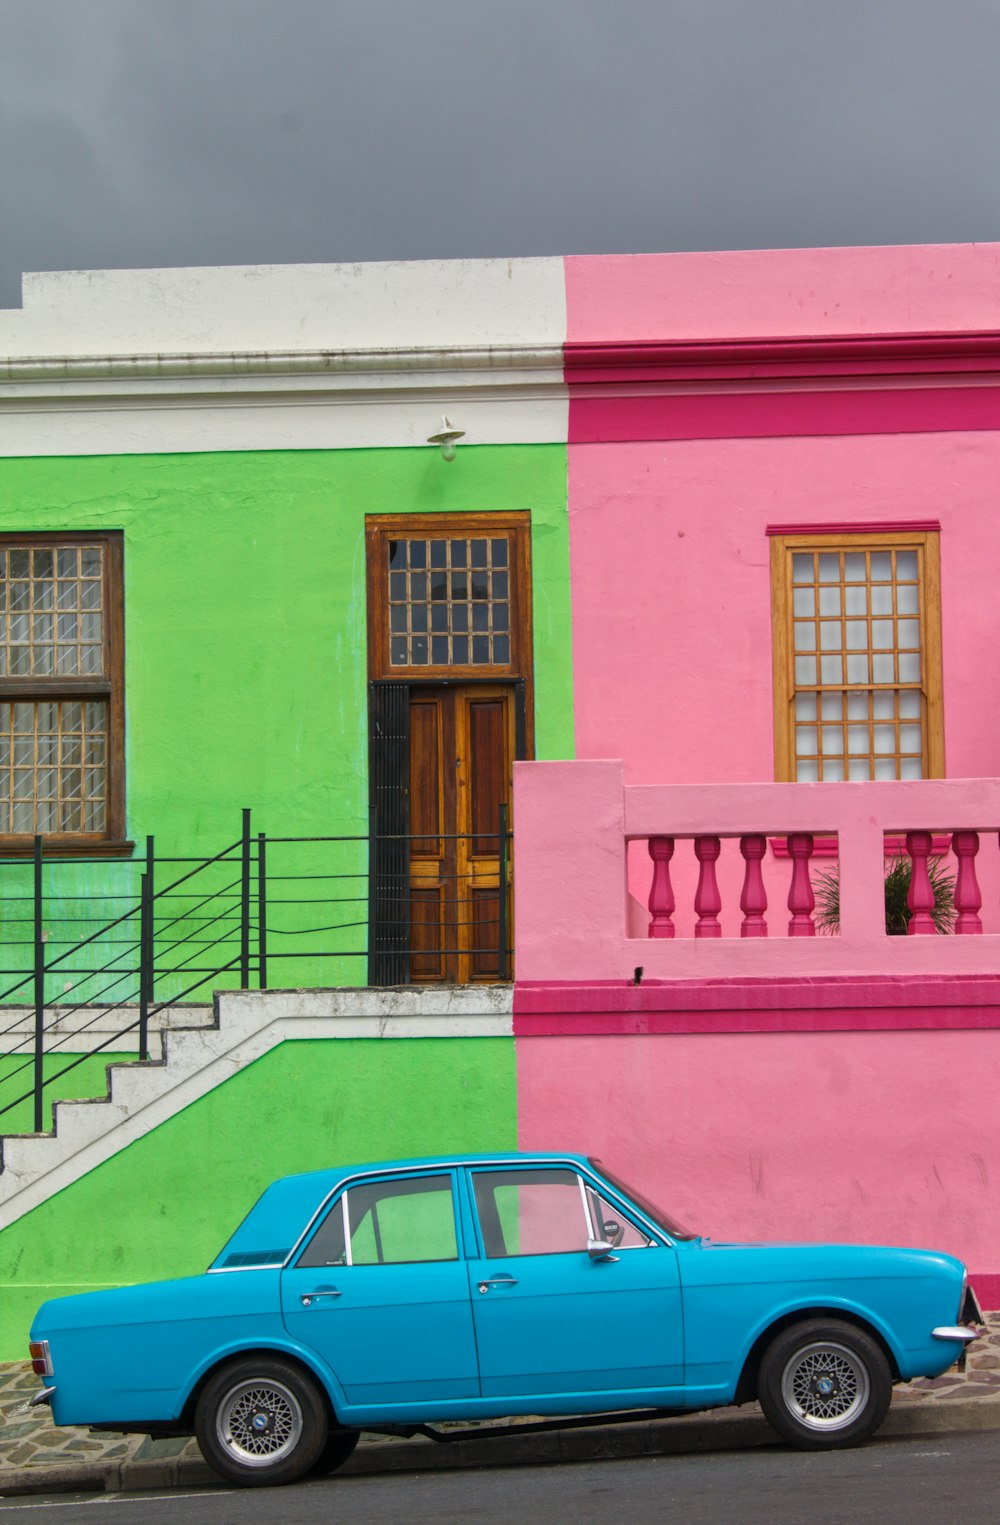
[462, 746]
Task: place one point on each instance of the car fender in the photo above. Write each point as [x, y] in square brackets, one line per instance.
[278, 1346]
[791, 1309]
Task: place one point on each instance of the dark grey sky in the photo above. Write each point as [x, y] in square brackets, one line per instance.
[172, 132]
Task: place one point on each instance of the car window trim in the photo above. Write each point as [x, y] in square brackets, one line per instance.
[658, 1236]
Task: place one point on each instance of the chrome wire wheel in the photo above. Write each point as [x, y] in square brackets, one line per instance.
[259, 1423]
[825, 1386]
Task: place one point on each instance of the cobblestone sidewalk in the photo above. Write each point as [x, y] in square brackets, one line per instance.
[28, 1438]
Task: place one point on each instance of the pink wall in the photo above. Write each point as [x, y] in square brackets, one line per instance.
[671, 587]
[873, 1137]
[750, 293]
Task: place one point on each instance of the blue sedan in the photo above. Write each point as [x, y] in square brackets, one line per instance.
[391, 1296]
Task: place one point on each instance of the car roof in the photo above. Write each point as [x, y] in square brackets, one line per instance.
[278, 1217]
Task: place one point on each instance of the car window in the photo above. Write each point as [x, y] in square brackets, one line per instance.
[611, 1224]
[387, 1223]
[532, 1212]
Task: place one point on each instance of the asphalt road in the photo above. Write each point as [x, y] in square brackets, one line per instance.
[954, 1478]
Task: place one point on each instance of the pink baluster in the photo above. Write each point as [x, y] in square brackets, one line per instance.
[968, 896]
[801, 899]
[753, 901]
[707, 900]
[661, 893]
[920, 895]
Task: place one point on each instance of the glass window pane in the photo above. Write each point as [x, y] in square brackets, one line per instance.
[829, 566]
[906, 566]
[908, 600]
[833, 741]
[802, 568]
[857, 739]
[805, 635]
[859, 770]
[856, 635]
[855, 568]
[884, 706]
[911, 767]
[881, 600]
[857, 670]
[829, 601]
[805, 706]
[884, 738]
[910, 738]
[830, 635]
[391, 1223]
[885, 767]
[833, 770]
[909, 705]
[833, 706]
[449, 590]
[807, 771]
[531, 1212]
[805, 670]
[881, 566]
[857, 706]
[909, 667]
[803, 601]
[832, 669]
[805, 740]
[883, 669]
[856, 601]
[908, 633]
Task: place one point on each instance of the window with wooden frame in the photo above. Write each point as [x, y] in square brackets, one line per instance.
[857, 655]
[448, 594]
[62, 703]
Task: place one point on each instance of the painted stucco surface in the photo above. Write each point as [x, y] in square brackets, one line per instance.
[671, 583]
[885, 1138]
[759, 292]
[245, 628]
[163, 1207]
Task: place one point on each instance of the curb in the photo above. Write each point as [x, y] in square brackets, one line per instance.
[659, 1437]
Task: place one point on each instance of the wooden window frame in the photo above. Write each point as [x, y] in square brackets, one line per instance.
[516, 526]
[926, 542]
[109, 685]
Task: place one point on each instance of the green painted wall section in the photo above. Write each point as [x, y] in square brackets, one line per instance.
[165, 1205]
[246, 621]
[246, 671]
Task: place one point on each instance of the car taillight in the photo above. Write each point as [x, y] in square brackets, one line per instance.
[41, 1361]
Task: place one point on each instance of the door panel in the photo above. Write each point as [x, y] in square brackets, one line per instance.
[462, 740]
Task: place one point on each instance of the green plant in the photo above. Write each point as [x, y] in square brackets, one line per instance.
[898, 870]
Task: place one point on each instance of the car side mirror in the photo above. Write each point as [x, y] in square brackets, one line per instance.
[600, 1249]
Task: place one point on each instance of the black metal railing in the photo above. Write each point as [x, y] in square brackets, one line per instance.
[92, 950]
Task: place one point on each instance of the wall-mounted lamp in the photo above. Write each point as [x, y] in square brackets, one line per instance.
[446, 437]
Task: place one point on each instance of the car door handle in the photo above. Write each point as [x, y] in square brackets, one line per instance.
[497, 1281]
[309, 1297]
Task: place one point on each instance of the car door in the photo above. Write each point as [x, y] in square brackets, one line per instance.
[552, 1320]
[381, 1292]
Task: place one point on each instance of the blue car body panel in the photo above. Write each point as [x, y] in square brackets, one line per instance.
[670, 1323]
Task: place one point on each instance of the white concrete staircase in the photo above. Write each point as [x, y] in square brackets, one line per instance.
[195, 1059]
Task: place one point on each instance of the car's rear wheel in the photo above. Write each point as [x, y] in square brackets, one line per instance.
[824, 1384]
[261, 1421]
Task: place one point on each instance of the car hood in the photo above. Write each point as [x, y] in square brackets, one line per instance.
[709, 1262]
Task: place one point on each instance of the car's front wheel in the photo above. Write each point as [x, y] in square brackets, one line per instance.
[824, 1384]
[261, 1421]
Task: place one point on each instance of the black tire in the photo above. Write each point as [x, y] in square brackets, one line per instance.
[824, 1385]
[338, 1449]
[261, 1421]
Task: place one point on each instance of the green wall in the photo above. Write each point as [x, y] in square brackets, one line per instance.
[165, 1205]
[246, 623]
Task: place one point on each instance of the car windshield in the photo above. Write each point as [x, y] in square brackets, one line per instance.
[653, 1213]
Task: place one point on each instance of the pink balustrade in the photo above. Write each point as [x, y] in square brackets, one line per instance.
[703, 890]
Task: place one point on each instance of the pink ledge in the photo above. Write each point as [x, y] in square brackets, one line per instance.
[874, 1004]
[987, 1289]
[770, 415]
